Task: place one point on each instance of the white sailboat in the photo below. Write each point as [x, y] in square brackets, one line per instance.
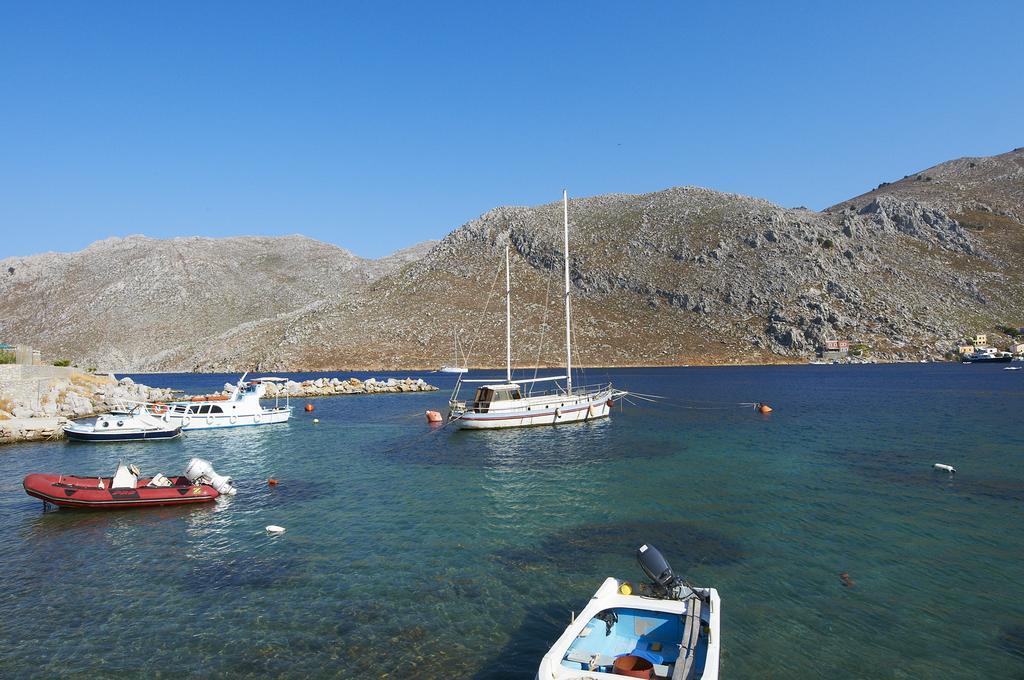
[500, 404]
[456, 366]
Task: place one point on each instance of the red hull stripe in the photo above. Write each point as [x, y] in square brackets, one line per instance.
[525, 414]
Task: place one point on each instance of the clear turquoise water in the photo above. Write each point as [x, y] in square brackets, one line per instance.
[412, 553]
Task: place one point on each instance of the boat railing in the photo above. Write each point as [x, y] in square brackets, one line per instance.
[121, 405]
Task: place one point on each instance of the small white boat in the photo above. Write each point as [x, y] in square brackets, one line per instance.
[665, 629]
[502, 404]
[241, 408]
[1012, 368]
[125, 424]
[456, 366]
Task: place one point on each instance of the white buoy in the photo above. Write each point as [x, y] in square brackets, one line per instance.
[274, 529]
[316, 420]
[945, 468]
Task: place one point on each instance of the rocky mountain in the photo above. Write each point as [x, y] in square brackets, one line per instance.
[127, 303]
[685, 275]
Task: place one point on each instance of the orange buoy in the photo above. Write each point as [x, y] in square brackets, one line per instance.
[611, 403]
[434, 417]
[309, 407]
[763, 408]
[271, 482]
[159, 407]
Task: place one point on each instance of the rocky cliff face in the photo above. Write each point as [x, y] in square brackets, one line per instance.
[685, 275]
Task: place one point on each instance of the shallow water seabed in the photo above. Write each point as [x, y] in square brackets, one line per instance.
[422, 553]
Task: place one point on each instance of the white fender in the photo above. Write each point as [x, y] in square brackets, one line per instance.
[945, 468]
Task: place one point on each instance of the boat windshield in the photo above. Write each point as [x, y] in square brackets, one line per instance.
[485, 395]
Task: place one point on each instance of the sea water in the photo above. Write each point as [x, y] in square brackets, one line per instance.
[434, 553]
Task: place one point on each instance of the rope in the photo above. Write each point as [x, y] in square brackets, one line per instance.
[469, 349]
[543, 329]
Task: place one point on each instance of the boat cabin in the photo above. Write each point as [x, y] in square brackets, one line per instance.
[488, 394]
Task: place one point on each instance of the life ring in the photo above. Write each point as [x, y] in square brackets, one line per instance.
[159, 407]
[186, 421]
[234, 419]
[209, 420]
[258, 417]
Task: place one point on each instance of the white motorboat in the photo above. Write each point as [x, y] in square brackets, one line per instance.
[988, 355]
[240, 408]
[666, 629]
[504, 403]
[124, 424]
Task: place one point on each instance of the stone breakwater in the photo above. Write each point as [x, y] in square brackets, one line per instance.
[31, 429]
[330, 387]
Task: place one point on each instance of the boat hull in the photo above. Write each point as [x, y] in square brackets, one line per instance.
[202, 421]
[569, 411]
[990, 360]
[68, 491]
[138, 436]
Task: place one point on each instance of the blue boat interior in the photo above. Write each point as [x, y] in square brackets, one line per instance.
[653, 635]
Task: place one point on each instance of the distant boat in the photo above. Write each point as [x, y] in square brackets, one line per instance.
[456, 365]
[666, 629]
[988, 355]
[501, 403]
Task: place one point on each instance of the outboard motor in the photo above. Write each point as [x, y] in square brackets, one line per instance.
[200, 471]
[664, 581]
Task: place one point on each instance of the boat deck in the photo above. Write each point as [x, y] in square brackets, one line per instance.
[655, 635]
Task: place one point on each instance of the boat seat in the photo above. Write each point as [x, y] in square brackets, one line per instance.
[581, 657]
[124, 478]
[159, 481]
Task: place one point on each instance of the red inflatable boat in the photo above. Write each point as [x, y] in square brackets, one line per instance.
[124, 490]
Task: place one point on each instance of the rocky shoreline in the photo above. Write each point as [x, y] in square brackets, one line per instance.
[31, 429]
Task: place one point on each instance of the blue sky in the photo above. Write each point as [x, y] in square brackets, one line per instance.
[378, 125]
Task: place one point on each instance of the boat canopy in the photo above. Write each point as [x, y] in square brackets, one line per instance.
[514, 383]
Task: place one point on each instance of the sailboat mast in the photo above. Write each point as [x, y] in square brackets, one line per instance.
[508, 321]
[568, 328]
